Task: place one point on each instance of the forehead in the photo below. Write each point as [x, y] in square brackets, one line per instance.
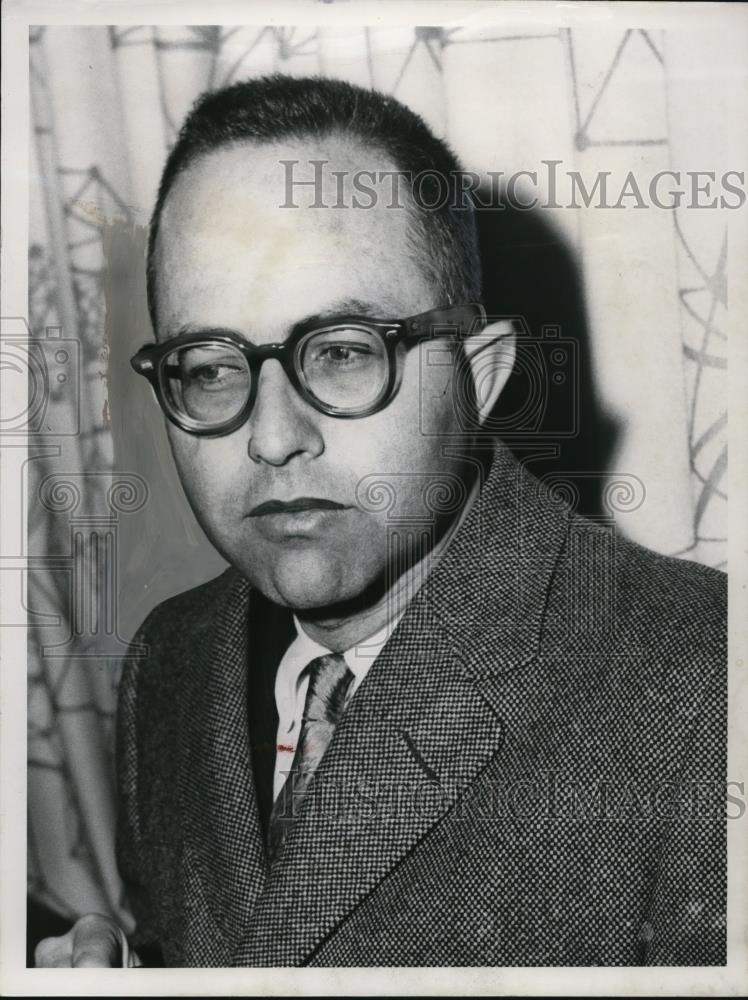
[242, 235]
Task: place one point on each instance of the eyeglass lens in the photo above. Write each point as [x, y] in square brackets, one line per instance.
[345, 368]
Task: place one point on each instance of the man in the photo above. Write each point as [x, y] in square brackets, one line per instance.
[429, 716]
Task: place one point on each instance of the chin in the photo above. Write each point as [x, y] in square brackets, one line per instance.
[305, 599]
[309, 584]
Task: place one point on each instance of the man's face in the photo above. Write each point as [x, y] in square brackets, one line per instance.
[229, 256]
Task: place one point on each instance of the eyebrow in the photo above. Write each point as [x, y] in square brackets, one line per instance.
[336, 310]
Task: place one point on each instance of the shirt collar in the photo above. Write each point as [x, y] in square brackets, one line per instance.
[304, 649]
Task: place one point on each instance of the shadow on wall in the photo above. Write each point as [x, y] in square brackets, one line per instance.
[549, 412]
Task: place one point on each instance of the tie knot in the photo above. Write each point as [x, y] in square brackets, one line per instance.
[330, 679]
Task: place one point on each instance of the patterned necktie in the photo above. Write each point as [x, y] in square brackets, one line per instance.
[329, 682]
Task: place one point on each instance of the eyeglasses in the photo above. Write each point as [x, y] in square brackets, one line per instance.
[349, 367]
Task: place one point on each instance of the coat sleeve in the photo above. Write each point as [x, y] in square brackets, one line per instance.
[145, 938]
[686, 921]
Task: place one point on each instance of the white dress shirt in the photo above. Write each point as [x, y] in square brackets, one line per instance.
[291, 683]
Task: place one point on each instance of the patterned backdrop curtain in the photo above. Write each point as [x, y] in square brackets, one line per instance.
[106, 105]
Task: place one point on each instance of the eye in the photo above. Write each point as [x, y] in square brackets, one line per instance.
[341, 353]
[340, 350]
[213, 372]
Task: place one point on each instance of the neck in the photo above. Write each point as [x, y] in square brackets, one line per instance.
[344, 627]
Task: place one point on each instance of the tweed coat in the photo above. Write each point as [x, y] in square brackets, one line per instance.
[532, 772]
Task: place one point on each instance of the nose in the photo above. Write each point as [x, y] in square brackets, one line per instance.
[281, 424]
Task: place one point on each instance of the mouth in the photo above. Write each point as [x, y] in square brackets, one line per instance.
[303, 520]
[296, 506]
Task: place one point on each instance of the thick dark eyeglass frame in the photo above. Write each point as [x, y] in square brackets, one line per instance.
[459, 321]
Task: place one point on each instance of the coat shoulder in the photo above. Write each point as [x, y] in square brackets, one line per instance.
[636, 645]
[642, 640]
[624, 593]
[191, 611]
[170, 633]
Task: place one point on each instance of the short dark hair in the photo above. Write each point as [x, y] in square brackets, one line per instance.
[279, 107]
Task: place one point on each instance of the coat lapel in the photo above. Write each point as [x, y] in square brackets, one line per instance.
[216, 788]
[424, 724]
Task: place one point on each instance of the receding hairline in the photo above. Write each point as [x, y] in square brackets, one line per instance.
[418, 247]
[383, 162]
[279, 109]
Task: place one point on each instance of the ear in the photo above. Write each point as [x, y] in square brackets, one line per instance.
[490, 357]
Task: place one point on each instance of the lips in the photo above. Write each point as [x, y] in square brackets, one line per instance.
[295, 506]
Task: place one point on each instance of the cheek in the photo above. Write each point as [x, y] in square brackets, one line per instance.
[206, 468]
[186, 451]
[396, 459]
[424, 410]
[439, 410]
